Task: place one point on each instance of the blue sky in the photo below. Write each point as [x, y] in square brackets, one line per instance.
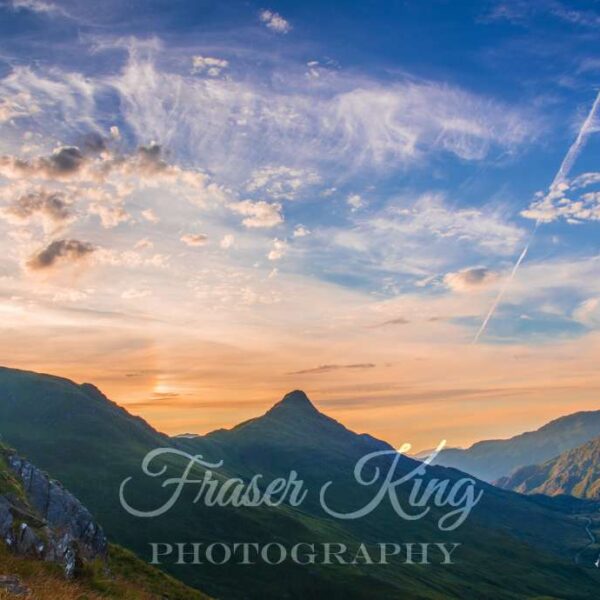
[335, 185]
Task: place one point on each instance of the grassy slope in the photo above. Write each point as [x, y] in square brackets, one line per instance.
[92, 445]
[127, 578]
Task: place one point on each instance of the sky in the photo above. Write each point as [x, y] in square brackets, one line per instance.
[205, 205]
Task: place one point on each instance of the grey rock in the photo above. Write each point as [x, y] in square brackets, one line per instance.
[61, 510]
[53, 525]
[6, 517]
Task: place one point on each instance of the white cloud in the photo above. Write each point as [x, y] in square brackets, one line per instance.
[20, 104]
[71, 295]
[227, 241]
[150, 216]
[39, 6]
[209, 65]
[585, 180]
[258, 214]
[107, 206]
[280, 182]
[130, 259]
[301, 231]
[588, 312]
[278, 250]
[135, 294]
[194, 239]
[110, 215]
[355, 201]
[275, 21]
[556, 205]
[144, 244]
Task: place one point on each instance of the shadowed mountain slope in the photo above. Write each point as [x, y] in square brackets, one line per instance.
[575, 472]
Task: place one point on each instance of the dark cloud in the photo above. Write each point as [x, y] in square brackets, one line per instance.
[93, 143]
[143, 373]
[51, 205]
[151, 158]
[84, 161]
[328, 368]
[71, 250]
[64, 161]
[397, 321]
[470, 279]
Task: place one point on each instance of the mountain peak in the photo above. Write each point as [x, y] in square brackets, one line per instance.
[297, 400]
[296, 397]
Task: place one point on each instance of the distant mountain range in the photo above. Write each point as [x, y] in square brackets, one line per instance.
[513, 547]
[492, 459]
[575, 472]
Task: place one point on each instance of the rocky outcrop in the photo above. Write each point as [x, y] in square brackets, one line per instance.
[41, 519]
[13, 586]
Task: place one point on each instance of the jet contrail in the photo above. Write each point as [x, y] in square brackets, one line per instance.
[560, 177]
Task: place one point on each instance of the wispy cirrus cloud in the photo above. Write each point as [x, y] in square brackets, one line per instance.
[299, 133]
[334, 367]
[358, 122]
[417, 236]
[522, 11]
[38, 6]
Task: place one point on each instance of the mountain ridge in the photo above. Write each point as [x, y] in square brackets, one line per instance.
[509, 537]
[575, 472]
[491, 459]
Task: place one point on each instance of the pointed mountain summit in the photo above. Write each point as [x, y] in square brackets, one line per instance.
[296, 399]
[292, 424]
[295, 403]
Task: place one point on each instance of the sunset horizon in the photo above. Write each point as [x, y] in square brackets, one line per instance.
[389, 206]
